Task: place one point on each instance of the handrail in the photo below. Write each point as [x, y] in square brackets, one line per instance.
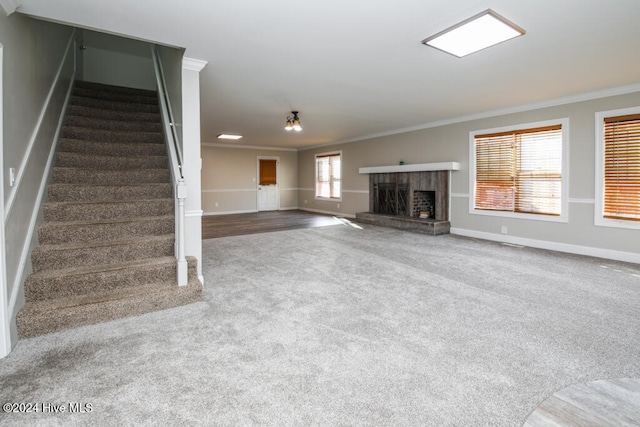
[175, 161]
[164, 99]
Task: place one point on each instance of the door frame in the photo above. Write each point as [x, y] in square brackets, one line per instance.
[277, 159]
[5, 316]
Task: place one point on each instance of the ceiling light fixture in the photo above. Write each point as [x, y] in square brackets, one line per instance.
[227, 136]
[476, 33]
[293, 122]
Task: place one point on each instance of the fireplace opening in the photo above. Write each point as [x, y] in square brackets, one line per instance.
[391, 199]
[424, 204]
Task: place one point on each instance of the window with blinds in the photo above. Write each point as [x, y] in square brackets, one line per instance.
[621, 181]
[519, 171]
[328, 172]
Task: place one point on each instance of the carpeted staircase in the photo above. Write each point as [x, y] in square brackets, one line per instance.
[107, 241]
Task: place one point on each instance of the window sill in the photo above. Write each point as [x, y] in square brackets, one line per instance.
[617, 223]
[517, 215]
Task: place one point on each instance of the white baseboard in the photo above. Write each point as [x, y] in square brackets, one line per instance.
[229, 212]
[245, 211]
[553, 246]
[26, 248]
[338, 214]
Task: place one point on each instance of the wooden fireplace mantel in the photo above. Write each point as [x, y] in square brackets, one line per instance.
[420, 167]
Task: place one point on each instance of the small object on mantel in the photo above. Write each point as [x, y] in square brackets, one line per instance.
[401, 162]
[424, 215]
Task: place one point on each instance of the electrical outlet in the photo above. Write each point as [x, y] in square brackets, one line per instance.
[12, 176]
[305, 202]
[217, 204]
[338, 205]
[504, 229]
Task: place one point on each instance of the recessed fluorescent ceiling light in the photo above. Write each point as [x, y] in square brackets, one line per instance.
[474, 34]
[226, 136]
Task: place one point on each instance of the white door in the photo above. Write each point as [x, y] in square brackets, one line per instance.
[268, 191]
[267, 197]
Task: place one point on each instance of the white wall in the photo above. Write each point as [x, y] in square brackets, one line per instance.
[451, 143]
[39, 65]
[117, 61]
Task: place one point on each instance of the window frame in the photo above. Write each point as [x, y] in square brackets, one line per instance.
[315, 177]
[599, 219]
[564, 182]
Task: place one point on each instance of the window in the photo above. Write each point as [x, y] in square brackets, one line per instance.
[328, 172]
[519, 172]
[618, 168]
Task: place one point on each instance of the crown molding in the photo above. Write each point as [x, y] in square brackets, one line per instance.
[9, 6]
[587, 96]
[193, 64]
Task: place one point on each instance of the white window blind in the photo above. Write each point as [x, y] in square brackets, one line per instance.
[520, 171]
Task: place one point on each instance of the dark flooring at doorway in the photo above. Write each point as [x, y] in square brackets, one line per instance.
[263, 222]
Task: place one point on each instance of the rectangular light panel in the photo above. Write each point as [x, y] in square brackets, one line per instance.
[474, 34]
[227, 136]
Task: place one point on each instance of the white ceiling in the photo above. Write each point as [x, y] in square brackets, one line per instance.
[357, 68]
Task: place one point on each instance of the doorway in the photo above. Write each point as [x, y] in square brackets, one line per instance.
[268, 190]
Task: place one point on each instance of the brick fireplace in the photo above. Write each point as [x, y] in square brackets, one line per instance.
[424, 204]
[413, 197]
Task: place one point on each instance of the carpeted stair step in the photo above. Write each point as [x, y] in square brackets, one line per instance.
[109, 177]
[115, 125]
[111, 148]
[82, 101]
[82, 84]
[93, 161]
[101, 278]
[108, 193]
[106, 95]
[74, 132]
[53, 315]
[56, 257]
[55, 233]
[107, 114]
[87, 211]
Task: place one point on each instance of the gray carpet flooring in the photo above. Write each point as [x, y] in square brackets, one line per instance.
[345, 326]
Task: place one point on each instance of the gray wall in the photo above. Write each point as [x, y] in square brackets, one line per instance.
[117, 61]
[355, 187]
[229, 178]
[451, 143]
[37, 77]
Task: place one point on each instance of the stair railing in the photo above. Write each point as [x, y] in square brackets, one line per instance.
[175, 161]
